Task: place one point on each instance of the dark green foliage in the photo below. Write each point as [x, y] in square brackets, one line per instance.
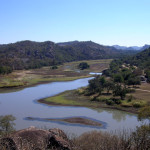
[7, 124]
[83, 65]
[130, 98]
[109, 102]
[96, 85]
[109, 85]
[118, 78]
[140, 60]
[54, 67]
[137, 105]
[144, 113]
[119, 91]
[28, 54]
[116, 101]
[134, 81]
[5, 69]
[147, 75]
[126, 74]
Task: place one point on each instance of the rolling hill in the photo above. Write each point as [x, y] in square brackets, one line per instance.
[30, 54]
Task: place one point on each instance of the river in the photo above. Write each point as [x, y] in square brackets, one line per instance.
[23, 103]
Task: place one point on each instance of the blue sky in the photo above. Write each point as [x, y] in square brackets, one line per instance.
[107, 22]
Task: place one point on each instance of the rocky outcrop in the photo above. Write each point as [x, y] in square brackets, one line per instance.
[36, 139]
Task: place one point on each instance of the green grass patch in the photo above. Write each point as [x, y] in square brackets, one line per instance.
[60, 99]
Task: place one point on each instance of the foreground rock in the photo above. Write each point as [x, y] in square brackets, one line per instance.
[36, 139]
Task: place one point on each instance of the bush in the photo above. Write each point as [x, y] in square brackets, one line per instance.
[81, 91]
[7, 124]
[109, 102]
[102, 99]
[93, 98]
[54, 67]
[117, 101]
[83, 66]
[130, 98]
[138, 104]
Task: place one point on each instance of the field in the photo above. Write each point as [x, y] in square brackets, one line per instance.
[143, 92]
[65, 72]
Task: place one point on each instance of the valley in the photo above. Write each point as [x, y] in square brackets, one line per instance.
[66, 72]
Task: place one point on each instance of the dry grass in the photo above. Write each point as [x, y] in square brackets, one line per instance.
[143, 92]
[65, 72]
[123, 140]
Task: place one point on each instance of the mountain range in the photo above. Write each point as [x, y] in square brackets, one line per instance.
[131, 47]
[30, 54]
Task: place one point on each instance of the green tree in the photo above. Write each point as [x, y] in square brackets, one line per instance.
[118, 78]
[83, 65]
[134, 81]
[109, 86]
[118, 90]
[54, 67]
[7, 124]
[96, 85]
[147, 75]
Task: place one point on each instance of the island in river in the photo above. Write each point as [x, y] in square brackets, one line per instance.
[71, 120]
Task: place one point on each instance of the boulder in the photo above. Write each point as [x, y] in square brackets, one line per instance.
[36, 139]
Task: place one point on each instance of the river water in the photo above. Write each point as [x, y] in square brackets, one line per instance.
[23, 103]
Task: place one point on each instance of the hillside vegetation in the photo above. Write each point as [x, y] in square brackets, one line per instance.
[138, 65]
[30, 55]
[125, 86]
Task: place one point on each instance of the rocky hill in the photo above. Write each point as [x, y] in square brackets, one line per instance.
[29, 54]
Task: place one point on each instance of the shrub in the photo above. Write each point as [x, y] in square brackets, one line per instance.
[102, 99]
[117, 101]
[130, 98]
[83, 65]
[93, 98]
[138, 104]
[7, 124]
[80, 91]
[109, 102]
[54, 67]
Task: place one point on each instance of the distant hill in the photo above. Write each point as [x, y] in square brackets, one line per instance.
[131, 47]
[29, 54]
[67, 43]
[142, 59]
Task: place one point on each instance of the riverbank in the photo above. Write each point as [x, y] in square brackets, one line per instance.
[72, 98]
[66, 72]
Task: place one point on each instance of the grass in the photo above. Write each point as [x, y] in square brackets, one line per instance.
[65, 72]
[134, 103]
[60, 99]
[77, 98]
[69, 98]
[115, 140]
[143, 93]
